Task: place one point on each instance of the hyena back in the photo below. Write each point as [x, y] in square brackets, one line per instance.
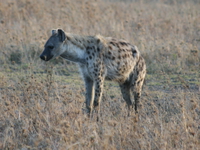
[100, 58]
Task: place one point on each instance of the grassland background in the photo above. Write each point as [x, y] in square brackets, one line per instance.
[41, 103]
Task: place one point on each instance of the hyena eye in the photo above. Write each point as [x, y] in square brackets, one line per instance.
[50, 47]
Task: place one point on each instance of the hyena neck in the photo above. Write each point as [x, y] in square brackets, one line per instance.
[75, 47]
[73, 53]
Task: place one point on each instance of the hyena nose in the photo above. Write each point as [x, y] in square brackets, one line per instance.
[43, 57]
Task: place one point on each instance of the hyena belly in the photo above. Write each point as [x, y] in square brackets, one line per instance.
[119, 71]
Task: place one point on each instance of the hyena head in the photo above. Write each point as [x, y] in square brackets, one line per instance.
[53, 46]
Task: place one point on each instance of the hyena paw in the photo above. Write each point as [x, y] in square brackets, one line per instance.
[88, 109]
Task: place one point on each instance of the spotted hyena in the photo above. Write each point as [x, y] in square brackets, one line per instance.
[100, 58]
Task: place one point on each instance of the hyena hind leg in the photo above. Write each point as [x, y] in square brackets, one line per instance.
[125, 90]
[138, 81]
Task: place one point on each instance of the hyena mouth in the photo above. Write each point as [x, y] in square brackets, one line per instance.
[46, 58]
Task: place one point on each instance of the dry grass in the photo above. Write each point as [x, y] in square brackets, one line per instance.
[42, 104]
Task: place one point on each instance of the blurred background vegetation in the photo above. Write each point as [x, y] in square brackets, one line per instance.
[166, 32]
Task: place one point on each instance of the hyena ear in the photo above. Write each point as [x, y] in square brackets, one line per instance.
[53, 32]
[61, 35]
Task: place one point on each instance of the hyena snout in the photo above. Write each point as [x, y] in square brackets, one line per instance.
[46, 57]
[43, 57]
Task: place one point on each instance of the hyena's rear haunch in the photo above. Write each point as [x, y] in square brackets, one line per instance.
[100, 58]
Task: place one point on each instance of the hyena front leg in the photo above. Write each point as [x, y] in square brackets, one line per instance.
[89, 85]
[98, 74]
[98, 92]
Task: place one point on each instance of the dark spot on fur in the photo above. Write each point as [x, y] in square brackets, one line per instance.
[98, 49]
[109, 53]
[117, 45]
[139, 82]
[112, 43]
[113, 58]
[119, 57]
[97, 90]
[90, 57]
[123, 43]
[134, 51]
[98, 40]
[110, 47]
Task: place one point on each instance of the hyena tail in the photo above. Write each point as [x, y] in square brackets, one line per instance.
[137, 80]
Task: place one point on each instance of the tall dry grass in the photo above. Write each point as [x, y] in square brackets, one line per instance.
[42, 104]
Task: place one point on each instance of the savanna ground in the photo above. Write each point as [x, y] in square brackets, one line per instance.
[41, 104]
